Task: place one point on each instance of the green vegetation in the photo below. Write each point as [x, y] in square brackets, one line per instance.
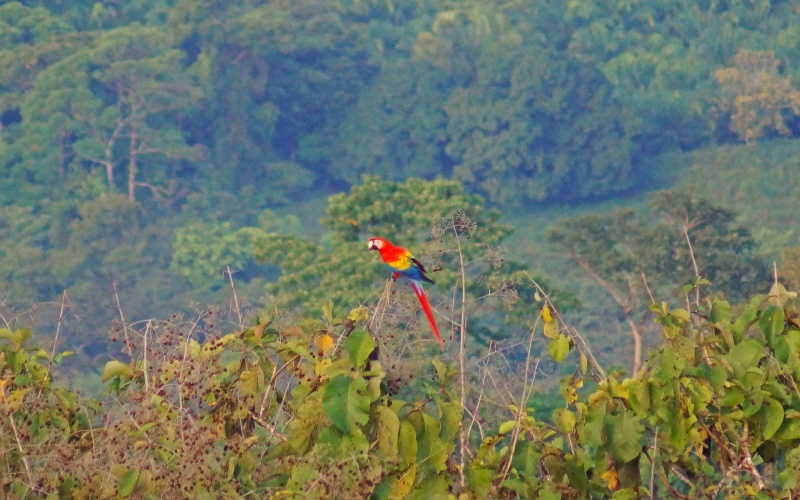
[333, 407]
[202, 115]
[221, 164]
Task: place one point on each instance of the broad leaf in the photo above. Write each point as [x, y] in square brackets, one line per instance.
[346, 402]
[127, 482]
[115, 368]
[360, 345]
[625, 433]
[559, 348]
[388, 431]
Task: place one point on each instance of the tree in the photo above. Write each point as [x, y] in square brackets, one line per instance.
[396, 129]
[425, 216]
[33, 39]
[683, 238]
[116, 108]
[536, 125]
[755, 95]
[25, 273]
[203, 251]
[278, 74]
[342, 269]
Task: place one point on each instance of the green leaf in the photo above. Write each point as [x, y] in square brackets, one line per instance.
[60, 356]
[17, 337]
[302, 427]
[115, 368]
[791, 473]
[480, 481]
[450, 414]
[771, 418]
[251, 380]
[789, 429]
[346, 402]
[576, 471]
[388, 425]
[744, 355]
[407, 444]
[551, 330]
[717, 375]
[624, 435]
[436, 447]
[778, 295]
[733, 396]
[507, 427]
[564, 419]
[360, 345]
[360, 313]
[591, 434]
[127, 482]
[559, 348]
[441, 369]
[720, 311]
[16, 360]
[747, 317]
[327, 311]
[787, 350]
[772, 323]
[680, 313]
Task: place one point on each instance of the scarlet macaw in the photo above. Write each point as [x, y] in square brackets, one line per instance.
[402, 263]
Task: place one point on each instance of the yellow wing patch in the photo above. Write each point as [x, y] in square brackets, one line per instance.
[402, 262]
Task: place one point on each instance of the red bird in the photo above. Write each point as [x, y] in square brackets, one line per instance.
[402, 263]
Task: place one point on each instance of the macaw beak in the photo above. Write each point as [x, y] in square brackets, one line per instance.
[371, 245]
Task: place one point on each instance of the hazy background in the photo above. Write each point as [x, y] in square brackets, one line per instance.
[142, 142]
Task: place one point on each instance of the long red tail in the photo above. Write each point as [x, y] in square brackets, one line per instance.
[426, 308]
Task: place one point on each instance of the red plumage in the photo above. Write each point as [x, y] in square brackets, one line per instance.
[401, 262]
[426, 308]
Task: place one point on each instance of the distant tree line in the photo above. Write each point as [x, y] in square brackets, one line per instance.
[136, 136]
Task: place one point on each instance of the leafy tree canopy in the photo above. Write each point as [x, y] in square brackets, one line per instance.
[424, 216]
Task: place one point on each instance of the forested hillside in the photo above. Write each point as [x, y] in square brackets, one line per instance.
[134, 133]
[605, 193]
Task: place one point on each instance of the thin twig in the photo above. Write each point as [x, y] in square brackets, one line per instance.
[375, 321]
[128, 342]
[235, 298]
[653, 465]
[462, 356]
[10, 414]
[647, 287]
[675, 493]
[144, 361]
[275, 372]
[91, 428]
[475, 413]
[775, 272]
[180, 371]
[55, 343]
[750, 466]
[580, 343]
[694, 265]
[527, 390]
[263, 423]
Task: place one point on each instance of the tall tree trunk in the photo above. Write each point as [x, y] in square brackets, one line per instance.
[132, 165]
[110, 175]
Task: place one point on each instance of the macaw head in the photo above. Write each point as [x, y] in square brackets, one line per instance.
[376, 243]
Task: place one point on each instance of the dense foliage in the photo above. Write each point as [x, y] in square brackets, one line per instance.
[340, 407]
[175, 117]
[161, 155]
